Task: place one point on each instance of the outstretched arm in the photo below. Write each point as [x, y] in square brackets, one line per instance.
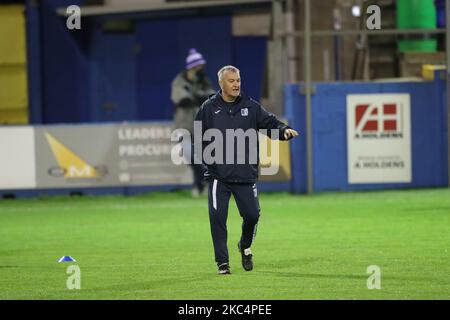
[269, 121]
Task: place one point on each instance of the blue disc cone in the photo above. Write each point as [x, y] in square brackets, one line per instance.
[66, 259]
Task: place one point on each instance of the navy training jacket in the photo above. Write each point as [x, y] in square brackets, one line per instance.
[244, 113]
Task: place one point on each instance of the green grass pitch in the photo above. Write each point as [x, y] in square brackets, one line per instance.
[158, 246]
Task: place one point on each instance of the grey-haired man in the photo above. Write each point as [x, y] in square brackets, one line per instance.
[232, 109]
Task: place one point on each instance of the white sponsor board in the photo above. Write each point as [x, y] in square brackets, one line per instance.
[17, 158]
[379, 138]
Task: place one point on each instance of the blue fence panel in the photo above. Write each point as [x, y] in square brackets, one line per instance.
[428, 133]
[295, 113]
[113, 76]
[64, 66]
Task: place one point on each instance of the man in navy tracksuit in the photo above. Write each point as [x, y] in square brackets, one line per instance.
[231, 109]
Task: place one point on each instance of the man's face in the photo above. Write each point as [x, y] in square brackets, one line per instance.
[231, 84]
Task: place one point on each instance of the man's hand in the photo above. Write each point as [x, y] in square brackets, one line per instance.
[290, 133]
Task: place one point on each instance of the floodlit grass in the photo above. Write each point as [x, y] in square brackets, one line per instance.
[158, 246]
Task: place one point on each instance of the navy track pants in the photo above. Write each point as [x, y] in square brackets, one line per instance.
[246, 197]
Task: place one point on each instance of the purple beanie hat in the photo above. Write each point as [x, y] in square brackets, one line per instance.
[194, 59]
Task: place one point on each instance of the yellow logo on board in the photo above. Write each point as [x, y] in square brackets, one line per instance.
[73, 166]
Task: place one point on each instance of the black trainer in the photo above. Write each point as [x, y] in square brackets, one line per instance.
[224, 268]
[247, 258]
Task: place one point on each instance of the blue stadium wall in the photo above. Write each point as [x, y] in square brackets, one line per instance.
[329, 117]
[98, 75]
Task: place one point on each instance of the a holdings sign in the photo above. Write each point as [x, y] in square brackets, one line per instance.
[379, 138]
